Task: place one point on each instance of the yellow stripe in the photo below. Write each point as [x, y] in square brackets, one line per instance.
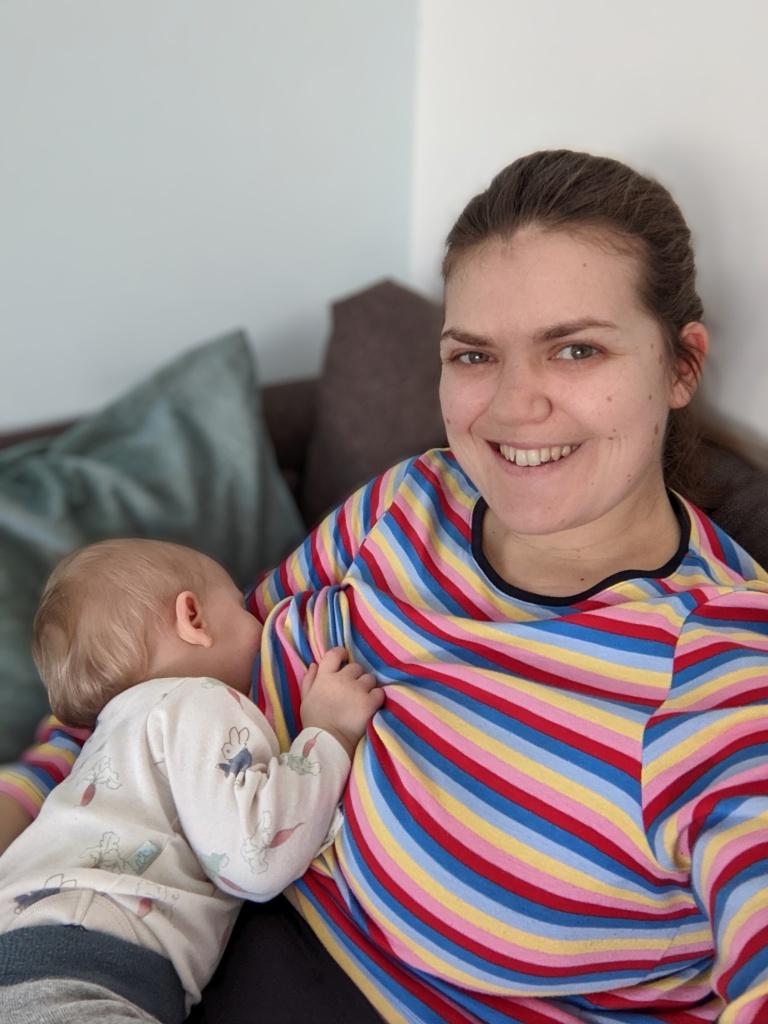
[606, 809]
[508, 844]
[484, 922]
[715, 843]
[728, 719]
[737, 921]
[700, 691]
[731, 1013]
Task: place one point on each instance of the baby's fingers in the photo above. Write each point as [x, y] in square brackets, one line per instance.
[333, 659]
[306, 683]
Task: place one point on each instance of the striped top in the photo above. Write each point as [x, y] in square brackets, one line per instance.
[560, 815]
[561, 812]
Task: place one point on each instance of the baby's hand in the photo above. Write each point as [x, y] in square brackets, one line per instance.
[339, 698]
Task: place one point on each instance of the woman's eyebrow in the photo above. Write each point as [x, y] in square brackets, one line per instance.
[569, 327]
[465, 337]
[561, 330]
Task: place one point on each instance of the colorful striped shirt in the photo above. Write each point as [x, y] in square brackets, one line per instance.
[561, 812]
[560, 815]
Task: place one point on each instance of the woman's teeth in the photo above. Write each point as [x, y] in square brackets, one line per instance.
[536, 456]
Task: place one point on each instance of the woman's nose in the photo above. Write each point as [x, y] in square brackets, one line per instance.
[521, 396]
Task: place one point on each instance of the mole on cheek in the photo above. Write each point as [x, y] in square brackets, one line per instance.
[656, 430]
[650, 398]
[609, 398]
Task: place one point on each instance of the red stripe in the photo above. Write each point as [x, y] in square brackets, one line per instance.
[374, 497]
[681, 783]
[746, 695]
[316, 561]
[346, 536]
[327, 899]
[432, 568]
[498, 658]
[708, 804]
[460, 939]
[707, 527]
[622, 627]
[733, 868]
[712, 650]
[508, 880]
[753, 947]
[458, 520]
[522, 798]
[510, 707]
[739, 613]
[373, 569]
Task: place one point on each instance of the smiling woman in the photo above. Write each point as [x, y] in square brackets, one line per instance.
[556, 388]
[560, 813]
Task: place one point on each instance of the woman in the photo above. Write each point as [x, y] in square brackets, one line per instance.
[560, 813]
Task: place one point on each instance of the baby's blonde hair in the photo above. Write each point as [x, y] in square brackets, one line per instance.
[101, 609]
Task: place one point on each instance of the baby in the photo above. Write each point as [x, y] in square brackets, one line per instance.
[117, 902]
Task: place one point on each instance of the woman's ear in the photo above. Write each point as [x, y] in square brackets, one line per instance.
[190, 624]
[694, 338]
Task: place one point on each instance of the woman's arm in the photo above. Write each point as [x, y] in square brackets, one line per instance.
[24, 785]
[329, 550]
[304, 613]
[708, 812]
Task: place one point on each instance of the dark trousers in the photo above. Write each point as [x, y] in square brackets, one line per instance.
[276, 971]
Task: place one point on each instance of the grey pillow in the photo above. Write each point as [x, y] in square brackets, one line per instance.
[377, 401]
[183, 456]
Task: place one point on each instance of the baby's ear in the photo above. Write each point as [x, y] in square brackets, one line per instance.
[190, 624]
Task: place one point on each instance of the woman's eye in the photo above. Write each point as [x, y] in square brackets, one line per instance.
[576, 351]
[471, 358]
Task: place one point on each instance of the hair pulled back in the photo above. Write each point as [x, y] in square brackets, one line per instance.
[570, 191]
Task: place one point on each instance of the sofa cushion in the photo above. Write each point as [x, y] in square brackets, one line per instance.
[378, 397]
[741, 503]
[183, 456]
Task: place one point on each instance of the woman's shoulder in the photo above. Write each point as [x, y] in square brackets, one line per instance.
[720, 556]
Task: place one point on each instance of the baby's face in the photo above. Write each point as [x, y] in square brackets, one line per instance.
[236, 633]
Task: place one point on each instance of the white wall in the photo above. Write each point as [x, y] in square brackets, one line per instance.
[173, 168]
[677, 88]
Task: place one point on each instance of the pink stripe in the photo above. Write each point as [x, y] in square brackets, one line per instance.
[8, 788]
[506, 690]
[506, 770]
[506, 646]
[490, 940]
[554, 884]
[699, 757]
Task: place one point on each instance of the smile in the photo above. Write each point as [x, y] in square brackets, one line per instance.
[536, 456]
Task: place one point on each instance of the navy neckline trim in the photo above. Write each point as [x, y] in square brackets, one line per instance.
[478, 514]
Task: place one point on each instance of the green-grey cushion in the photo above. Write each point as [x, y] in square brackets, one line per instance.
[183, 456]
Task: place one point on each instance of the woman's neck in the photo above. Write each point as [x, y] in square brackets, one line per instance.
[558, 565]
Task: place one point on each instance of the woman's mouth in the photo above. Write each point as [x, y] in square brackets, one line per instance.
[536, 456]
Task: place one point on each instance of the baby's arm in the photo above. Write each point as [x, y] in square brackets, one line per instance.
[256, 818]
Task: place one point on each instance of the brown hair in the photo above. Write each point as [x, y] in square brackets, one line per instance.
[569, 191]
[100, 610]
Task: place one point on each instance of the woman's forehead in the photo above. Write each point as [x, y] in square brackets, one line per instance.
[544, 277]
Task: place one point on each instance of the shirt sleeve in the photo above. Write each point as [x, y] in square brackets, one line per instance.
[329, 550]
[43, 765]
[255, 818]
[302, 602]
[706, 780]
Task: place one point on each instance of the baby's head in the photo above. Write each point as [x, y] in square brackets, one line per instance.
[121, 611]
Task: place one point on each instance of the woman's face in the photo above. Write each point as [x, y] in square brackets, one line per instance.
[555, 384]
